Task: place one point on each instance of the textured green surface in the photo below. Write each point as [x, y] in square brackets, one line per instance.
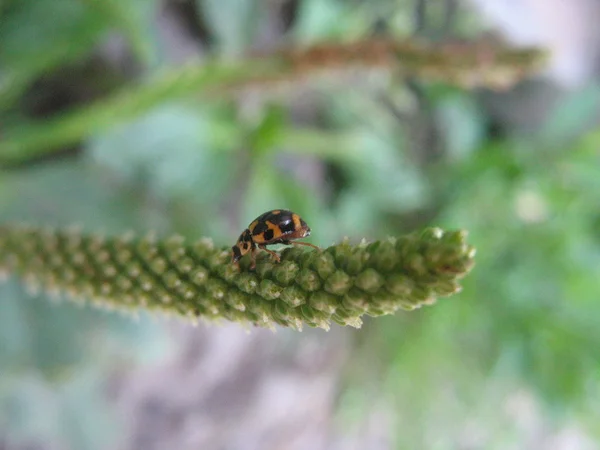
[339, 284]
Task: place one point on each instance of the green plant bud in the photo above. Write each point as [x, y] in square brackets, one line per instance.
[356, 261]
[110, 271]
[228, 272]
[68, 275]
[432, 234]
[405, 246]
[187, 290]
[385, 302]
[132, 268]
[161, 296]
[324, 264]
[454, 238]
[106, 289]
[146, 248]
[212, 305]
[421, 294]
[315, 318]
[291, 254]
[48, 240]
[355, 322]
[202, 249]
[236, 299]
[266, 267]
[373, 311]
[400, 285]
[87, 270]
[247, 282]
[173, 248]
[233, 314]
[295, 324]
[407, 306]
[123, 256]
[447, 287]
[216, 288]
[259, 306]
[265, 321]
[199, 275]
[356, 301]
[308, 280]
[308, 287]
[171, 279]
[293, 296]
[218, 259]
[78, 258]
[286, 272]
[281, 311]
[88, 290]
[307, 257]
[185, 264]
[124, 283]
[57, 260]
[158, 265]
[338, 283]
[269, 290]
[278, 321]
[385, 258]
[369, 281]
[416, 264]
[73, 240]
[322, 301]
[146, 282]
[341, 252]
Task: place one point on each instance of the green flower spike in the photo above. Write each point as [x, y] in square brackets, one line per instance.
[339, 284]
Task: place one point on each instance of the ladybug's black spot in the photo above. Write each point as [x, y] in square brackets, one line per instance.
[246, 236]
[260, 228]
[287, 226]
[268, 235]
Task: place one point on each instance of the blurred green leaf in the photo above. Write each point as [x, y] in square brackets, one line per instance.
[320, 20]
[462, 124]
[266, 134]
[572, 116]
[233, 22]
[39, 35]
[170, 149]
[71, 192]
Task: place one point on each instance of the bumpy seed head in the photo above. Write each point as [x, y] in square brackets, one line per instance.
[339, 284]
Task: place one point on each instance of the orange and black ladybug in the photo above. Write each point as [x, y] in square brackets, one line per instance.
[279, 226]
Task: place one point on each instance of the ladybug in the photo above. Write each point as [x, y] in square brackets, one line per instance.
[278, 226]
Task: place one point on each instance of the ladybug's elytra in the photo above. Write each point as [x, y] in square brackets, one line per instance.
[279, 226]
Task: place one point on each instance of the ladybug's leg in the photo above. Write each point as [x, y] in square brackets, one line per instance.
[304, 243]
[271, 252]
[253, 257]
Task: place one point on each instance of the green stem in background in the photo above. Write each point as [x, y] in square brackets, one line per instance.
[44, 137]
[467, 64]
[197, 280]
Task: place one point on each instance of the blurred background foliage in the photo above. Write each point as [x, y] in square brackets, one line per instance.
[512, 362]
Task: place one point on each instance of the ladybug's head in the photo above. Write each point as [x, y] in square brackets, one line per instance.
[305, 228]
[243, 245]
